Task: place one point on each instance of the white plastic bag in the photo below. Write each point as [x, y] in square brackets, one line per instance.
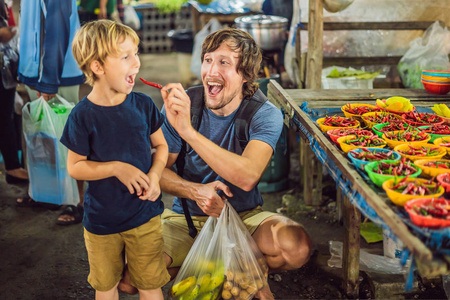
[428, 52]
[196, 61]
[291, 57]
[224, 261]
[46, 156]
[131, 18]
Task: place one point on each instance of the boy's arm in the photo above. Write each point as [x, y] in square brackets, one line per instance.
[80, 168]
[159, 161]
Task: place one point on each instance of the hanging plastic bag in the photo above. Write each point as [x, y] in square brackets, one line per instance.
[428, 52]
[9, 61]
[131, 18]
[336, 5]
[196, 61]
[43, 124]
[224, 262]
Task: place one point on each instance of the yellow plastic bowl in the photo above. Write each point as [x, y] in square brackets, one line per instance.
[353, 105]
[429, 171]
[406, 147]
[370, 124]
[400, 199]
[442, 140]
[325, 128]
[435, 78]
[392, 143]
[346, 147]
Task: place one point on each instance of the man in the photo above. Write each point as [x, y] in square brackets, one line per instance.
[215, 162]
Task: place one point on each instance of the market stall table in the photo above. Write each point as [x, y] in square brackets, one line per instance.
[300, 107]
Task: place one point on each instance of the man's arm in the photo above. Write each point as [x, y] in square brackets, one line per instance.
[205, 195]
[243, 170]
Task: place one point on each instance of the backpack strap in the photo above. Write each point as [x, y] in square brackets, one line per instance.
[244, 116]
[197, 103]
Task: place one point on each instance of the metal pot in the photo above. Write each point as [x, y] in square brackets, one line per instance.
[269, 32]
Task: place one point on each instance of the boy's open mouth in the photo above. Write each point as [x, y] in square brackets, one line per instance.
[130, 79]
[214, 88]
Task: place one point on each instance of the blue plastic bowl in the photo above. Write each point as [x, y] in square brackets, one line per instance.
[361, 164]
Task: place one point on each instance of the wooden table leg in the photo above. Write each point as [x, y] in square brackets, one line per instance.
[350, 253]
[311, 175]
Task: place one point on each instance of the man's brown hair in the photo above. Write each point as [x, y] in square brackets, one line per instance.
[250, 56]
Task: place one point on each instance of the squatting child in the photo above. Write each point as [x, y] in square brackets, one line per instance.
[111, 135]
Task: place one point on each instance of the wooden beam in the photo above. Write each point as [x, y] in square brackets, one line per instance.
[315, 45]
[360, 61]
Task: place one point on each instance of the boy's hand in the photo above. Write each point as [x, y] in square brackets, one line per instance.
[134, 179]
[154, 190]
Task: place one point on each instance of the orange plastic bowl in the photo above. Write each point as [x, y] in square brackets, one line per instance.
[426, 221]
[436, 88]
[444, 180]
[435, 78]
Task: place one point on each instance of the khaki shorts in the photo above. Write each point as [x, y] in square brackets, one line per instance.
[143, 248]
[177, 241]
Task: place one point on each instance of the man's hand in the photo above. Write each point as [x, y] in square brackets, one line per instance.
[45, 95]
[208, 199]
[134, 179]
[154, 190]
[178, 109]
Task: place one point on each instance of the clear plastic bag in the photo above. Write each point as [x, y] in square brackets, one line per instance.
[43, 124]
[223, 262]
[368, 262]
[428, 52]
[10, 62]
[336, 5]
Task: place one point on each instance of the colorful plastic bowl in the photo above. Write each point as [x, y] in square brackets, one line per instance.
[405, 147]
[442, 140]
[430, 171]
[400, 199]
[378, 179]
[346, 147]
[426, 221]
[361, 163]
[444, 180]
[334, 134]
[436, 73]
[353, 105]
[326, 128]
[436, 88]
[432, 78]
[393, 143]
[370, 124]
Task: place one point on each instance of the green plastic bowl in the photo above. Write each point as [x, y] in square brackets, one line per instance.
[378, 179]
[378, 127]
[433, 136]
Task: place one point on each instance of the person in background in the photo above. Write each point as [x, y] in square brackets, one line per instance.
[111, 135]
[9, 143]
[91, 10]
[47, 66]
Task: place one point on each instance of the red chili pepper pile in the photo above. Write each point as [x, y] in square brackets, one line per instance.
[421, 118]
[438, 164]
[433, 210]
[407, 136]
[359, 110]
[421, 151]
[348, 131]
[437, 129]
[383, 118]
[365, 141]
[416, 188]
[339, 122]
[395, 127]
[367, 155]
[398, 168]
[444, 144]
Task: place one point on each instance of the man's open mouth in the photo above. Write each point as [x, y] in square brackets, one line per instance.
[214, 88]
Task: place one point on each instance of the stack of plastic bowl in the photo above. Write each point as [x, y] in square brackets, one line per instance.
[436, 82]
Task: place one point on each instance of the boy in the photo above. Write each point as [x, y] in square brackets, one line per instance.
[109, 135]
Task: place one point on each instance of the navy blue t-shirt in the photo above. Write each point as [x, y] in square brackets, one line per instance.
[266, 126]
[114, 133]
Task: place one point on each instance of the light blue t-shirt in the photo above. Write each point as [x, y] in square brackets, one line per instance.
[266, 126]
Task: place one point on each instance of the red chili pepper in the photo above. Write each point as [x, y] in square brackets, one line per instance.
[151, 83]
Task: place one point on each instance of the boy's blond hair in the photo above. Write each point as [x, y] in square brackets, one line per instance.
[96, 40]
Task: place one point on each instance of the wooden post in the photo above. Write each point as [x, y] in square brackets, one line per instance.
[350, 253]
[315, 45]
